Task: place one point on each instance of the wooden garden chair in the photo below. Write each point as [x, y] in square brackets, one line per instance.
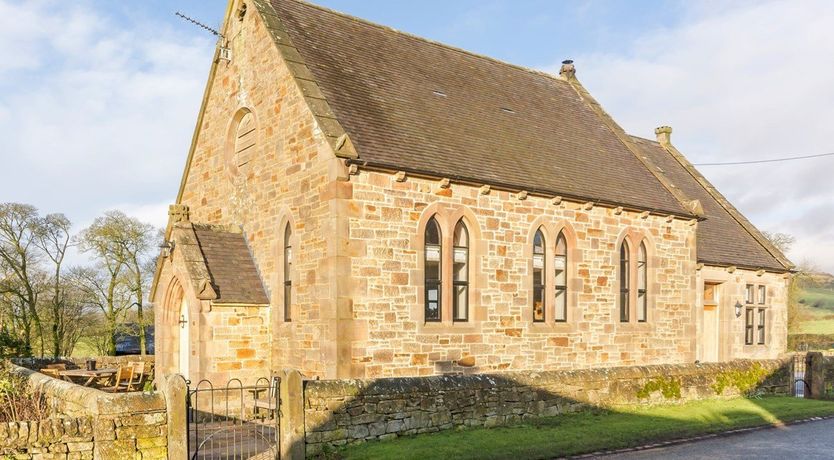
[138, 375]
[122, 381]
[53, 370]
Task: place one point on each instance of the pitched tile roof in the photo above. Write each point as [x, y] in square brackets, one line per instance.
[722, 238]
[414, 105]
[231, 267]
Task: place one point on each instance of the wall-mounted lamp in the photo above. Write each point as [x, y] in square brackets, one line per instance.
[165, 248]
[738, 309]
[183, 321]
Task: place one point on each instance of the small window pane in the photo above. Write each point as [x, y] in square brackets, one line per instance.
[762, 294]
[432, 270]
[642, 304]
[538, 304]
[751, 294]
[538, 277]
[461, 302]
[560, 264]
[433, 232]
[461, 235]
[433, 302]
[561, 305]
[748, 326]
[761, 326]
[538, 243]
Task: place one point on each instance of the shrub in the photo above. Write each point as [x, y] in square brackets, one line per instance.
[11, 346]
[17, 402]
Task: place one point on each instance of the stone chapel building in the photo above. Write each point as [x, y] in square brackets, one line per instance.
[359, 202]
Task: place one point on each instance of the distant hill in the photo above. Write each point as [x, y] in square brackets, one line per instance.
[816, 304]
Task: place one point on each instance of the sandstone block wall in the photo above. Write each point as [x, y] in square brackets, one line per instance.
[386, 227]
[235, 342]
[290, 178]
[86, 438]
[343, 411]
[88, 423]
[731, 289]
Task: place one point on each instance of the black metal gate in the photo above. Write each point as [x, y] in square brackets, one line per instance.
[800, 385]
[233, 422]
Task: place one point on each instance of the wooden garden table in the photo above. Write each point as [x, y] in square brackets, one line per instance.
[91, 376]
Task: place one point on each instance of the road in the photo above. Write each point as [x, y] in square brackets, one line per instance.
[805, 441]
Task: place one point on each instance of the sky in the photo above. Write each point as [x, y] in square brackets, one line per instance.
[98, 99]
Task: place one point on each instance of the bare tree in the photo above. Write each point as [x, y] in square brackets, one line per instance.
[138, 240]
[782, 241]
[19, 227]
[53, 238]
[120, 245]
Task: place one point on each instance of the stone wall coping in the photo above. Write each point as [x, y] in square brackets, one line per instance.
[93, 401]
[404, 385]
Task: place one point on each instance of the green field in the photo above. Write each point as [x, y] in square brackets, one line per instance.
[591, 431]
[816, 310]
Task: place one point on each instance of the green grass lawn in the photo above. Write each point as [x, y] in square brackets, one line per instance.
[591, 431]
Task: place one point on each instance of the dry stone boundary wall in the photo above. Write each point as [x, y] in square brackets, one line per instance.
[86, 423]
[337, 412]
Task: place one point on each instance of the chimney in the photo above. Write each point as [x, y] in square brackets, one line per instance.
[664, 135]
[568, 71]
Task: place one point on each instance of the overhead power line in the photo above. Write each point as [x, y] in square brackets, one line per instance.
[772, 160]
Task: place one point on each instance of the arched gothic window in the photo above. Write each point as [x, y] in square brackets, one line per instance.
[288, 273]
[432, 254]
[539, 285]
[460, 273]
[560, 269]
[642, 283]
[625, 281]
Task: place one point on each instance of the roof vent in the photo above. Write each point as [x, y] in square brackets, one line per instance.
[506, 110]
[664, 135]
[568, 71]
[439, 93]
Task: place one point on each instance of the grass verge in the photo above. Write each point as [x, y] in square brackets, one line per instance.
[593, 430]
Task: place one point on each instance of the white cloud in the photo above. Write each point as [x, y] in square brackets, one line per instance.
[751, 81]
[97, 112]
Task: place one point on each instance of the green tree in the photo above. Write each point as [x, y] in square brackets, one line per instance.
[119, 245]
[53, 238]
[22, 281]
